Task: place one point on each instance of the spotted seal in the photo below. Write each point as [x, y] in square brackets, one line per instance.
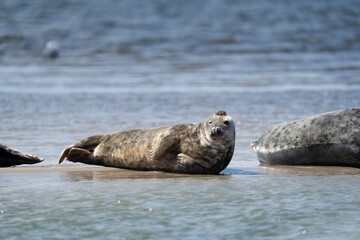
[11, 157]
[331, 138]
[204, 148]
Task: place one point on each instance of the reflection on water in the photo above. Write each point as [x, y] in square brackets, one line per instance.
[128, 174]
[252, 206]
[311, 170]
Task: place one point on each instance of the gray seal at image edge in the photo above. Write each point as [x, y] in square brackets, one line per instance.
[11, 157]
[203, 148]
[328, 139]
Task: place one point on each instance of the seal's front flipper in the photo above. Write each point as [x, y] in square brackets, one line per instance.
[188, 164]
[160, 148]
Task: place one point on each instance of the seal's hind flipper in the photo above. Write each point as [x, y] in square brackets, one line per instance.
[78, 154]
[11, 157]
[87, 144]
[64, 154]
[253, 145]
[75, 154]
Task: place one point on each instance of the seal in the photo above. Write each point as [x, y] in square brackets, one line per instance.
[203, 148]
[11, 157]
[331, 139]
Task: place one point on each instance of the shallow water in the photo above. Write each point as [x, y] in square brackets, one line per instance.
[244, 205]
[122, 66]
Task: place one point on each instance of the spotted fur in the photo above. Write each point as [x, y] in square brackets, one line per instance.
[204, 148]
[331, 138]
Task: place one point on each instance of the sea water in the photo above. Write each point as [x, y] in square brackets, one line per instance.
[142, 64]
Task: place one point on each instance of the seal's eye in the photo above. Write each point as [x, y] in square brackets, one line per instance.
[226, 123]
[210, 122]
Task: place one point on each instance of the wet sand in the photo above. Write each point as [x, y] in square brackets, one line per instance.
[95, 172]
[98, 172]
[310, 170]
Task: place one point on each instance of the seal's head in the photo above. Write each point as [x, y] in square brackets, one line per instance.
[219, 126]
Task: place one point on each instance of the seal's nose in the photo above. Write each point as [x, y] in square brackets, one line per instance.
[216, 130]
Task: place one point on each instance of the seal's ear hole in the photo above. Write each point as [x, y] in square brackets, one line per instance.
[210, 122]
[226, 123]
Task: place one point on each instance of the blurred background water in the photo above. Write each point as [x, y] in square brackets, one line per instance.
[138, 64]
